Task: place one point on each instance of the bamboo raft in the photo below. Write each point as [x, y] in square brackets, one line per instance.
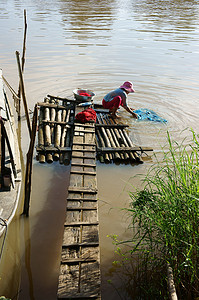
[55, 134]
[61, 138]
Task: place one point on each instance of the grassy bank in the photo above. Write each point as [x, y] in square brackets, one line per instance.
[164, 224]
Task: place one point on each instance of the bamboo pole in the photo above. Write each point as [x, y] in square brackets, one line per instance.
[67, 144]
[41, 135]
[28, 175]
[130, 154]
[67, 155]
[171, 284]
[57, 134]
[105, 137]
[100, 139]
[100, 156]
[22, 65]
[64, 134]
[47, 132]
[23, 92]
[52, 118]
[113, 132]
[117, 157]
[120, 139]
[137, 158]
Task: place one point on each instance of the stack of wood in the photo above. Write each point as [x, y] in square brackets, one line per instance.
[54, 130]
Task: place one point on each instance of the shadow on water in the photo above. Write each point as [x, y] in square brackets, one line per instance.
[42, 232]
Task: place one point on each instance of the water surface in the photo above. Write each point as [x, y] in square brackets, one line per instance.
[98, 45]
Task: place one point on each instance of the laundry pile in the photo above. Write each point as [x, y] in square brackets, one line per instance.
[147, 114]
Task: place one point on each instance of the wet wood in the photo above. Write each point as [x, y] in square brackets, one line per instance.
[23, 92]
[171, 284]
[42, 158]
[28, 174]
[47, 132]
[79, 275]
[112, 143]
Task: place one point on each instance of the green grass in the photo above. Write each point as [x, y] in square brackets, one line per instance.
[164, 222]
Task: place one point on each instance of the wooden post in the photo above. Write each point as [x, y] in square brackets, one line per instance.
[171, 285]
[22, 65]
[52, 118]
[23, 92]
[64, 134]
[57, 134]
[47, 131]
[42, 158]
[28, 175]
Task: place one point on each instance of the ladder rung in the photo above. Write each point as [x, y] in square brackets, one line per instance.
[81, 189]
[81, 224]
[82, 208]
[81, 199]
[84, 157]
[77, 260]
[91, 244]
[82, 172]
[84, 150]
[83, 164]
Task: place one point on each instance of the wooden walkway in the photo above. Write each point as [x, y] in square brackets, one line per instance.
[61, 139]
[79, 276]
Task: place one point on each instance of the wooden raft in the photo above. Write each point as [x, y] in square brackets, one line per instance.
[55, 134]
[79, 276]
[113, 143]
[54, 129]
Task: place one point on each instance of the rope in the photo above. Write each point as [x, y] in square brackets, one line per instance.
[3, 223]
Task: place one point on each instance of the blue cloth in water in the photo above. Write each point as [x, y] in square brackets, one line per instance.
[147, 114]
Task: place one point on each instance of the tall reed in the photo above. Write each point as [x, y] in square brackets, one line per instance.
[164, 221]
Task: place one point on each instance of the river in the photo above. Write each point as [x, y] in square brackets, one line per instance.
[95, 45]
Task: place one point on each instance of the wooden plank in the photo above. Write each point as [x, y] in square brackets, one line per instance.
[83, 172]
[82, 199]
[77, 260]
[84, 150]
[83, 131]
[53, 149]
[62, 99]
[81, 208]
[56, 122]
[58, 106]
[83, 144]
[82, 156]
[91, 244]
[86, 125]
[81, 224]
[83, 165]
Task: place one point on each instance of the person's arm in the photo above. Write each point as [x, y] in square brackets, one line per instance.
[130, 110]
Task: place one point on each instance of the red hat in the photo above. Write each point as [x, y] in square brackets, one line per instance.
[128, 86]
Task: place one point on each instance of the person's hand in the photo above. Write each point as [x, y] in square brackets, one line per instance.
[134, 115]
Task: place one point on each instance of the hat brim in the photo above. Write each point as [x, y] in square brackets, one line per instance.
[130, 90]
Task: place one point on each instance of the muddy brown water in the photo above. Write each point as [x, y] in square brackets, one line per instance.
[96, 45]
